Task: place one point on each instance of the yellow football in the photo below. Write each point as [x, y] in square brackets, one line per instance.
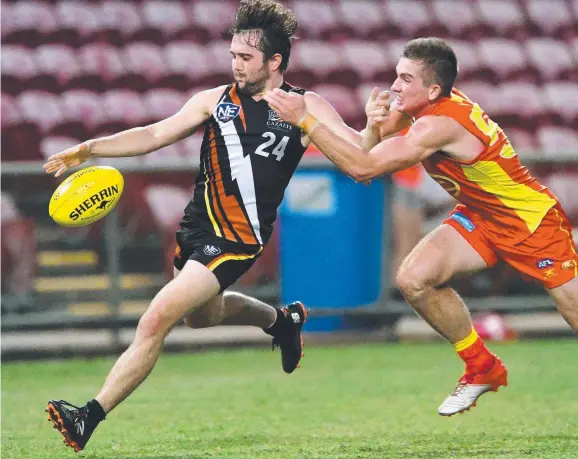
[86, 196]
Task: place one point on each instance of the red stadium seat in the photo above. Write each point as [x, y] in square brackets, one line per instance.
[562, 99]
[187, 63]
[318, 58]
[369, 60]
[521, 105]
[458, 16]
[169, 17]
[483, 94]
[58, 61]
[316, 19]
[144, 59]
[344, 100]
[522, 140]
[31, 20]
[10, 111]
[558, 140]
[504, 58]
[100, 64]
[365, 18]
[552, 18]
[118, 20]
[469, 65]
[162, 103]
[82, 105]
[210, 18]
[218, 59]
[413, 18]
[78, 17]
[191, 146]
[559, 62]
[20, 138]
[505, 18]
[122, 109]
[18, 67]
[42, 108]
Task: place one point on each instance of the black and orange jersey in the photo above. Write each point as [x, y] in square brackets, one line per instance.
[248, 156]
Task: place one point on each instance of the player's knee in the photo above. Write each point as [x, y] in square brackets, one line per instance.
[209, 315]
[411, 282]
[153, 324]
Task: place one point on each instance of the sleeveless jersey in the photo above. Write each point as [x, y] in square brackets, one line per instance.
[248, 155]
[495, 185]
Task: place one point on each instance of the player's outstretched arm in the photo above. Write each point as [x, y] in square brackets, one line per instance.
[426, 136]
[140, 140]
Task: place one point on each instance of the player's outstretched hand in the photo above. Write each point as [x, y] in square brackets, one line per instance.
[289, 106]
[71, 157]
[377, 107]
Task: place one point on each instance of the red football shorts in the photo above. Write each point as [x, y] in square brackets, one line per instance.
[547, 255]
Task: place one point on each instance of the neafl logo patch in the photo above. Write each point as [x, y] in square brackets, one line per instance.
[227, 111]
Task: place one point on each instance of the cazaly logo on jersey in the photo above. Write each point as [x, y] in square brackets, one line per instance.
[275, 122]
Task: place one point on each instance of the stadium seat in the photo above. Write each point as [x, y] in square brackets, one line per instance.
[483, 94]
[469, 66]
[77, 19]
[321, 60]
[364, 18]
[218, 58]
[51, 145]
[210, 19]
[187, 64]
[191, 146]
[521, 105]
[167, 203]
[48, 116]
[58, 61]
[559, 63]
[504, 18]
[523, 141]
[85, 106]
[162, 103]
[170, 17]
[504, 59]
[18, 68]
[413, 18]
[118, 20]
[101, 64]
[557, 140]
[369, 60]
[345, 101]
[552, 18]
[458, 16]
[31, 21]
[562, 99]
[10, 111]
[316, 19]
[122, 109]
[144, 59]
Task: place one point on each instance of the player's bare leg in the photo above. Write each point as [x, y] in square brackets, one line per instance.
[195, 286]
[566, 298]
[440, 256]
[232, 308]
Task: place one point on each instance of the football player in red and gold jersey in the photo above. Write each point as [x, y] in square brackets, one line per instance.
[503, 212]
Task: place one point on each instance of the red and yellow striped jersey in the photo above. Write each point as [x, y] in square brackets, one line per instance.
[495, 184]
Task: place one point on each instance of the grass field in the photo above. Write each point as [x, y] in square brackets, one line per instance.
[370, 401]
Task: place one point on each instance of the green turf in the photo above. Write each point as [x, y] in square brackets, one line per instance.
[373, 401]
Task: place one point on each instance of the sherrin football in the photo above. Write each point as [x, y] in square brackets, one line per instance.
[86, 196]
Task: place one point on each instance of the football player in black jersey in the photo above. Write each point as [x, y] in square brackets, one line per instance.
[248, 156]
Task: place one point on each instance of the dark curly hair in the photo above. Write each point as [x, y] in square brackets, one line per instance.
[272, 27]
